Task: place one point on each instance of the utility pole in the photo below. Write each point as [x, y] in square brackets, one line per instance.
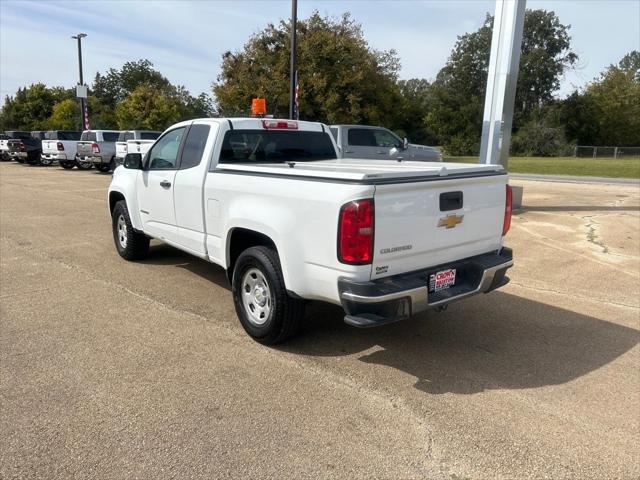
[504, 62]
[293, 75]
[83, 107]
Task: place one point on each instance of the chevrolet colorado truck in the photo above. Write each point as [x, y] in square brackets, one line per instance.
[134, 141]
[60, 146]
[97, 148]
[379, 143]
[271, 203]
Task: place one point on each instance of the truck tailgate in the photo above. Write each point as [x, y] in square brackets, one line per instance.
[139, 146]
[50, 147]
[121, 149]
[84, 148]
[426, 223]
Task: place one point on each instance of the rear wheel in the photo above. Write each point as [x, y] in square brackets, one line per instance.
[265, 309]
[82, 165]
[104, 167]
[131, 245]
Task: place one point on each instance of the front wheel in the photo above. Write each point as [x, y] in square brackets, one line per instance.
[104, 167]
[67, 165]
[131, 245]
[265, 309]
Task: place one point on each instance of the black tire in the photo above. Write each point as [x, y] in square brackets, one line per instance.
[285, 313]
[112, 164]
[103, 167]
[84, 165]
[67, 165]
[136, 245]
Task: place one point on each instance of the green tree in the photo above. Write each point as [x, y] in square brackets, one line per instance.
[415, 100]
[116, 84]
[341, 78]
[148, 107]
[617, 103]
[459, 89]
[31, 107]
[65, 115]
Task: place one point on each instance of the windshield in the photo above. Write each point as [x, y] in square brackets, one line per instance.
[275, 146]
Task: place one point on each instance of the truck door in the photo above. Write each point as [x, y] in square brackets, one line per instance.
[189, 180]
[155, 185]
[373, 143]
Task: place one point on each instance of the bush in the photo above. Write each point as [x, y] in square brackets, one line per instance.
[538, 138]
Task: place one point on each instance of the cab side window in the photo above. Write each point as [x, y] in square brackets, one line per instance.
[385, 138]
[361, 137]
[164, 154]
[194, 146]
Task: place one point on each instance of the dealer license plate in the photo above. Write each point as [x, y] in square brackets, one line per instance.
[442, 280]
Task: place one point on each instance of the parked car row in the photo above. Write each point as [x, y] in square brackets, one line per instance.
[106, 149]
[84, 150]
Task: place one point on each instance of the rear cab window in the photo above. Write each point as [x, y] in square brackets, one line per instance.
[110, 136]
[88, 137]
[275, 146]
[149, 135]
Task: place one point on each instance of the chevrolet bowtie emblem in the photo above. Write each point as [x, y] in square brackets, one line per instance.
[450, 221]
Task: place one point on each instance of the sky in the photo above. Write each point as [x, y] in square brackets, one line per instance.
[186, 39]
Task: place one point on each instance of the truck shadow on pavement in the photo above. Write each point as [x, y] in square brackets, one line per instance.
[487, 342]
[577, 208]
[497, 341]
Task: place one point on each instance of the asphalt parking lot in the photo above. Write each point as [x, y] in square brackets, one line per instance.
[112, 369]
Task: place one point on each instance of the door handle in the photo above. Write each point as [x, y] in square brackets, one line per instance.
[348, 151]
[383, 153]
[165, 184]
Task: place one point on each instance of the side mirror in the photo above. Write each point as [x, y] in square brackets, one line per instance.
[405, 143]
[133, 161]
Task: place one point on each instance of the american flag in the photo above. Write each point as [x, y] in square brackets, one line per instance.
[86, 118]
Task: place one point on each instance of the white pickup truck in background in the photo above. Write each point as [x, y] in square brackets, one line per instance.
[134, 141]
[60, 146]
[270, 202]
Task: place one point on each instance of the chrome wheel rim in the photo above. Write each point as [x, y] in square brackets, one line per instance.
[122, 231]
[256, 296]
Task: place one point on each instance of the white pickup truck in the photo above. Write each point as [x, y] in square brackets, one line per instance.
[134, 141]
[60, 146]
[269, 201]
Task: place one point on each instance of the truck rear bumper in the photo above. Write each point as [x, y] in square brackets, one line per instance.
[54, 156]
[369, 304]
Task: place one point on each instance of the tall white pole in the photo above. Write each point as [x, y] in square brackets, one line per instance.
[499, 101]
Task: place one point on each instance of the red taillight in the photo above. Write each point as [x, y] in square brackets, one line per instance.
[23, 147]
[280, 124]
[508, 209]
[355, 232]
[95, 148]
[60, 147]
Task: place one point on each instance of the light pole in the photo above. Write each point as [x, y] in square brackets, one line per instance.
[292, 67]
[83, 114]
